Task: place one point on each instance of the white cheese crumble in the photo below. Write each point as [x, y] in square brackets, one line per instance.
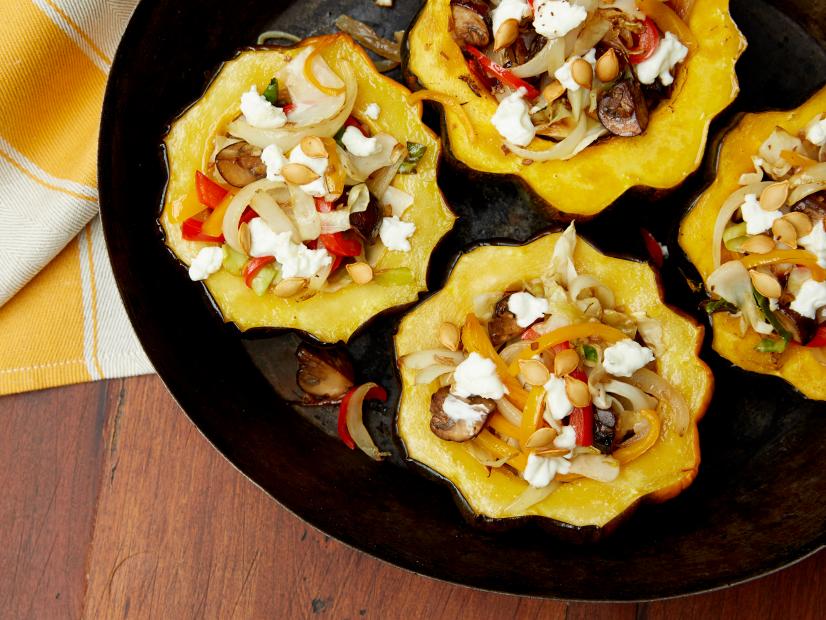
[476, 376]
[757, 220]
[527, 308]
[563, 74]
[207, 262]
[816, 131]
[372, 111]
[815, 242]
[626, 357]
[296, 259]
[566, 438]
[556, 398]
[273, 158]
[556, 18]
[261, 113]
[509, 9]
[358, 144]
[810, 299]
[460, 411]
[399, 201]
[316, 164]
[394, 233]
[512, 119]
[669, 53]
[540, 470]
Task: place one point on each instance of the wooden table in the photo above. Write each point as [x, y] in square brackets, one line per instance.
[115, 506]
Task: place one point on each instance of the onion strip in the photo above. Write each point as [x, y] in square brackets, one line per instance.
[312, 78]
[236, 208]
[652, 383]
[531, 496]
[561, 150]
[725, 214]
[355, 423]
[447, 102]
[369, 38]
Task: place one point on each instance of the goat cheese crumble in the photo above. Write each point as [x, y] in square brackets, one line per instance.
[810, 298]
[669, 53]
[358, 144]
[261, 113]
[273, 158]
[815, 242]
[296, 259]
[207, 262]
[541, 470]
[556, 399]
[460, 411]
[757, 220]
[816, 131]
[509, 9]
[372, 111]
[394, 233]
[626, 357]
[527, 308]
[563, 74]
[556, 18]
[318, 165]
[476, 376]
[512, 119]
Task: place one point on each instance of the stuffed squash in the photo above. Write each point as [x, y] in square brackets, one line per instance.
[580, 99]
[302, 189]
[550, 380]
[757, 238]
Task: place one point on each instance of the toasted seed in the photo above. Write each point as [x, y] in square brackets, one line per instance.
[578, 392]
[774, 196]
[298, 174]
[553, 91]
[759, 244]
[542, 438]
[362, 273]
[449, 336]
[801, 222]
[765, 284]
[244, 237]
[290, 286]
[534, 372]
[552, 452]
[607, 66]
[582, 72]
[312, 146]
[506, 34]
[565, 362]
[785, 232]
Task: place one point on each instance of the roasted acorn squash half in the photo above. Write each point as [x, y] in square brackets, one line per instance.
[583, 508]
[328, 316]
[668, 151]
[796, 364]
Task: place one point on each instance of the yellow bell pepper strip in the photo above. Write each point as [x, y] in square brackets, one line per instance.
[214, 224]
[567, 334]
[475, 338]
[500, 449]
[335, 174]
[795, 257]
[311, 77]
[668, 21]
[448, 102]
[635, 449]
[532, 414]
[796, 159]
[498, 422]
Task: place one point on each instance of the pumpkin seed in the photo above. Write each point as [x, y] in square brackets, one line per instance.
[565, 362]
[801, 222]
[534, 372]
[449, 336]
[759, 244]
[298, 174]
[506, 34]
[542, 438]
[765, 284]
[774, 196]
[362, 273]
[578, 392]
[582, 72]
[607, 66]
[290, 287]
[785, 232]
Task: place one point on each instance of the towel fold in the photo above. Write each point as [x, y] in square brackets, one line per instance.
[61, 319]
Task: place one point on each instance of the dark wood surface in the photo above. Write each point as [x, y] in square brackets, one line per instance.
[114, 506]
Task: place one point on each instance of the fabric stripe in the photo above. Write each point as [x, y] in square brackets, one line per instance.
[74, 32]
[90, 332]
[102, 21]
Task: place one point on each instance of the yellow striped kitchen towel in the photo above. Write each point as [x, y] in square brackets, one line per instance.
[61, 319]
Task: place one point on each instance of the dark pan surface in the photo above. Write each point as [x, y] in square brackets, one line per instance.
[757, 503]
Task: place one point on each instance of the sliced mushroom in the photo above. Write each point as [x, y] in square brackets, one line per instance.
[367, 222]
[814, 206]
[469, 27]
[502, 327]
[240, 164]
[622, 109]
[447, 428]
[324, 374]
[605, 428]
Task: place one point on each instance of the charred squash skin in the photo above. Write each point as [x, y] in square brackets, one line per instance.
[662, 157]
[796, 365]
[584, 509]
[328, 317]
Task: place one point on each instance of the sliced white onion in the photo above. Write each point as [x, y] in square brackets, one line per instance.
[543, 61]
[509, 353]
[399, 201]
[235, 210]
[355, 423]
[429, 357]
[561, 150]
[634, 395]
[304, 214]
[530, 497]
[428, 375]
[596, 467]
[483, 305]
[359, 169]
[807, 189]
[511, 412]
[652, 383]
[592, 33]
[335, 221]
[269, 211]
[484, 457]
[725, 214]
[602, 292]
[358, 199]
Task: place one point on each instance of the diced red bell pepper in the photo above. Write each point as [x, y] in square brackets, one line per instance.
[337, 260]
[191, 231]
[502, 74]
[247, 215]
[255, 265]
[376, 393]
[289, 108]
[647, 44]
[582, 418]
[477, 72]
[341, 243]
[210, 194]
[820, 338]
[655, 251]
[323, 206]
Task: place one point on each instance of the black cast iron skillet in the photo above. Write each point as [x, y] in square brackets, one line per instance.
[757, 503]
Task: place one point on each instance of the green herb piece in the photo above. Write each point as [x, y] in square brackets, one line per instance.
[718, 305]
[770, 345]
[271, 92]
[415, 152]
[589, 353]
[771, 317]
[339, 135]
